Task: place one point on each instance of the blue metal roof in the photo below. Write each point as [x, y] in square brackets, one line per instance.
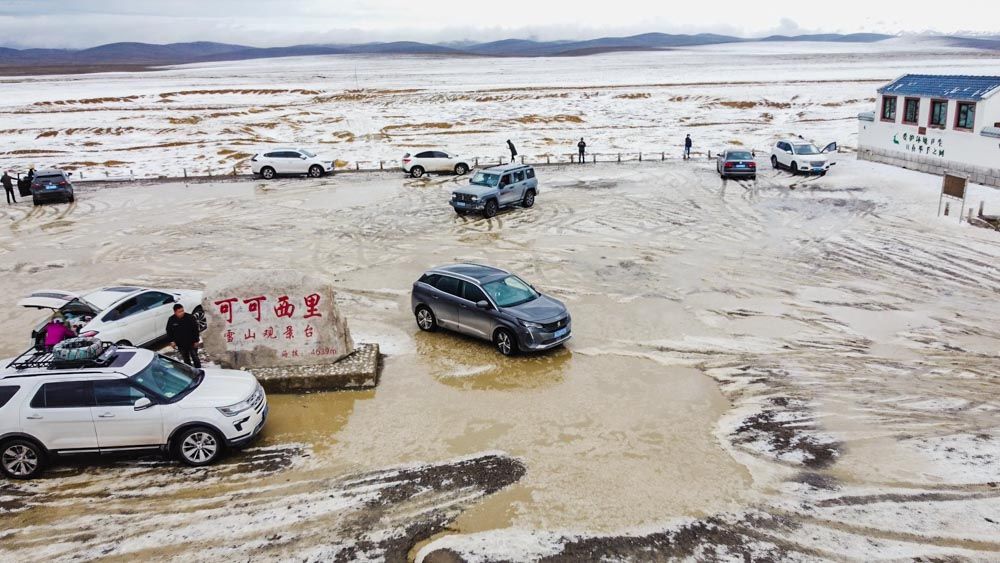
[969, 88]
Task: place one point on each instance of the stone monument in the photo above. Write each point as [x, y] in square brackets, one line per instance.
[285, 327]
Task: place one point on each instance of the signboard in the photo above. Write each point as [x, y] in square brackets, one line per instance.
[272, 319]
[919, 144]
[954, 187]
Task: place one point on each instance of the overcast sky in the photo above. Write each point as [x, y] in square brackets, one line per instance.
[85, 23]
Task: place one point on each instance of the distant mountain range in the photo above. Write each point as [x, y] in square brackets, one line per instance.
[139, 55]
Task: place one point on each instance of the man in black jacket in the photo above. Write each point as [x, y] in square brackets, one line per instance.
[8, 187]
[182, 330]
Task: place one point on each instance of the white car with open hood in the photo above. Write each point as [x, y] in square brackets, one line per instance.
[126, 315]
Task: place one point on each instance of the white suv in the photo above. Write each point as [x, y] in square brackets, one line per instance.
[121, 399]
[802, 156]
[289, 162]
[434, 161]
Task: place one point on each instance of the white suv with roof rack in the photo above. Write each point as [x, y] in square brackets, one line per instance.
[121, 399]
[124, 315]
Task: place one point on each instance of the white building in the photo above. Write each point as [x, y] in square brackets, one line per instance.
[936, 124]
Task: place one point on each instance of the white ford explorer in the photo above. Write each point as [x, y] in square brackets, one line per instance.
[121, 399]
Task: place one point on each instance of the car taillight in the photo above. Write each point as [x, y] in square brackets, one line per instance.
[63, 183]
[752, 164]
[729, 165]
[406, 160]
[90, 334]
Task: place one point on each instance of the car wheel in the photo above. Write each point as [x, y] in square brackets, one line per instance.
[21, 459]
[70, 199]
[491, 209]
[461, 212]
[529, 198]
[461, 169]
[200, 318]
[426, 319]
[198, 446]
[417, 171]
[124, 343]
[774, 162]
[823, 173]
[315, 171]
[505, 342]
[34, 201]
[795, 168]
[267, 173]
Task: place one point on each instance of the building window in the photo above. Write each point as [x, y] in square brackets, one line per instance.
[939, 114]
[889, 108]
[965, 117]
[911, 110]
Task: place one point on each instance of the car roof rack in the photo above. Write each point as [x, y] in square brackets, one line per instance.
[34, 358]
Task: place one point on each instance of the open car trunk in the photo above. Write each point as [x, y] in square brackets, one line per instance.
[75, 310]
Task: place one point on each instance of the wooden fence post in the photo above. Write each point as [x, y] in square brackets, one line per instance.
[663, 156]
[619, 157]
[185, 173]
[640, 157]
[981, 203]
[380, 166]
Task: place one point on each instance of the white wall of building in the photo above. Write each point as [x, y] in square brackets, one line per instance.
[935, 150]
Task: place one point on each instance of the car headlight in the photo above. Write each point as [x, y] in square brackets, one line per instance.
[529, 324]
[245, 404]
[474, 198]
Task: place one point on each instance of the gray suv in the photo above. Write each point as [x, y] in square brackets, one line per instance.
[495, 188]
[491, 304]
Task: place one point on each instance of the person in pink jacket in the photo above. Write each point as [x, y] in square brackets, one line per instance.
[56, 331]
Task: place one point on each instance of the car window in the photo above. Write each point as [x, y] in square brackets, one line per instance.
[484, 179]
[165, 377]
[55, 179]
[127, 308]
[806, 149]
[439, 154]
[6, 392]
[472, 293]
[510, 292]
[309, 154]
[153, 299]
[116, 393]
[739, 155]
[64, 395]
[505, 181]
[449, 285]
[430, 279]
[531, 173]
[425, 154]
[519, 176]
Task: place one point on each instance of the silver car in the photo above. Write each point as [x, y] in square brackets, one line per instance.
[491, 304]
[495, 188]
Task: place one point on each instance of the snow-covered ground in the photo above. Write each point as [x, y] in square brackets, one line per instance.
[365, 109]
[797, 368]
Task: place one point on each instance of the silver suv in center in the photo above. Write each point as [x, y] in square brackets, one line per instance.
[495, 188]
[491, 304]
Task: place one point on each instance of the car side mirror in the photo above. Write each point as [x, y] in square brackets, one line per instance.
[143, 404]
[303, 157]
[484, 305]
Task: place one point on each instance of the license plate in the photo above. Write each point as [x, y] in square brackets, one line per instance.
[459, 204]
[741, 165]
[561, 332]
[51, 187]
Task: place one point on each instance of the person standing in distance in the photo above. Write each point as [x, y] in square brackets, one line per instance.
[182, 330]
[513, 151]
[8, 187]
[687, 147]
[582, 146]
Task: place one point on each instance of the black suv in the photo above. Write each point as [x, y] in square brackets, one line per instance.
[51, 185]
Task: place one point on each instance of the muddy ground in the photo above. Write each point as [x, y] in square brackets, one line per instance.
[793, 368]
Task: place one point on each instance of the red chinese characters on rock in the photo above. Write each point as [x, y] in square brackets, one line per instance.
[226, 308]
[312, 306]
[284, 309]
[253, 306]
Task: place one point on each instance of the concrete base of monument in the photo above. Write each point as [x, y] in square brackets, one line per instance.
[359, 370]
